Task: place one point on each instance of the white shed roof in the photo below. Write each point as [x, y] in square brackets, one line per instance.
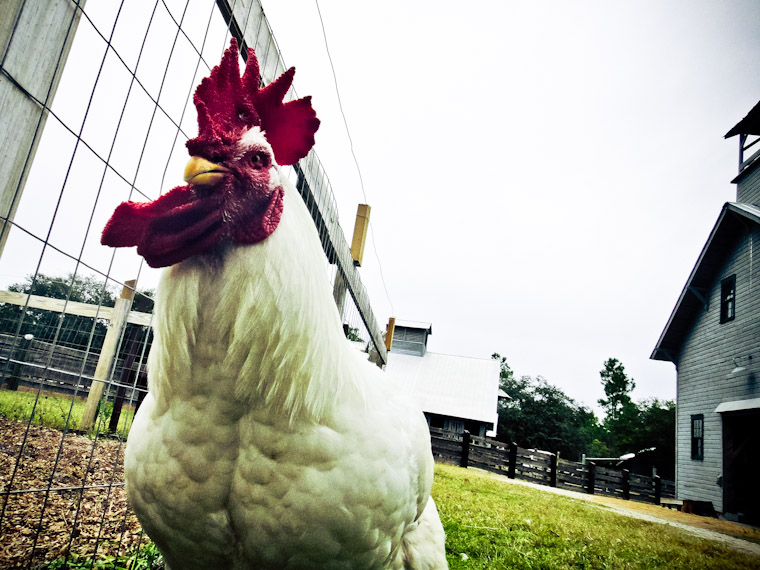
[415, 325]
[455, 386]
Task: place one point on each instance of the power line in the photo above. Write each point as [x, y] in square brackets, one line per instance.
[353, 154]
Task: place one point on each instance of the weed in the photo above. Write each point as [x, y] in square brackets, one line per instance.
[141, 559]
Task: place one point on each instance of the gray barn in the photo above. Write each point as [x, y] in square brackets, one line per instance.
[713, 338]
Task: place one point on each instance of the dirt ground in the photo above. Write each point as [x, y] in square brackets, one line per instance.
[44, 525]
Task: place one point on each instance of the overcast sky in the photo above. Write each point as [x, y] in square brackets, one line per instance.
[542, 175]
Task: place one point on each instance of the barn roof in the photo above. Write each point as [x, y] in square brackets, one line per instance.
[749, 125]
[448, 385]
[730, 226]
[415, 325]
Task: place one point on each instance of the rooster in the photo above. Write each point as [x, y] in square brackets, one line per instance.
[266, 441]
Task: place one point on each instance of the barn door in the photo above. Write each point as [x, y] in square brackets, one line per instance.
[741, 464]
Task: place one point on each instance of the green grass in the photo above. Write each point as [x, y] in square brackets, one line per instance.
[139, 560]
[492, 524]
[53, 409]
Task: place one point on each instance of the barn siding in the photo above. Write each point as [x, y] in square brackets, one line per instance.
[748, 186]
[706, 358]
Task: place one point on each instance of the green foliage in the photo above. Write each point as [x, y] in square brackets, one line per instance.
[353, 335]
[492, 524]
[141, 559]
[617, 387]
[598, 449]
[505, 372]
[540, 415]
[74, 331]
[631, 428]
[53, 411]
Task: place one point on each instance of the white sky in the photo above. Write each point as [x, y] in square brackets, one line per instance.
[542, 175]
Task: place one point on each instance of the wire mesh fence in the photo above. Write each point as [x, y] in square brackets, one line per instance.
[97, 105]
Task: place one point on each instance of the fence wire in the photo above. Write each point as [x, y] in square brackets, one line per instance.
[109, 126]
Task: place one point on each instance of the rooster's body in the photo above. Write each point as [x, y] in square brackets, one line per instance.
[266, 441]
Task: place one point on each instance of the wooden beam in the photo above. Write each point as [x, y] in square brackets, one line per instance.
[71, 307]
[699, 294]
[108, 353]
[390, 329]
[360, 233]
[35, 39]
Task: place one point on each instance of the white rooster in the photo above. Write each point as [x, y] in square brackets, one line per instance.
[266, 441]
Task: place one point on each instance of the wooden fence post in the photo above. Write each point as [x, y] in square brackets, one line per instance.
[33, 50]
[128, 374]
[107, 354]
[591, 477]
[657, 490]
[626, 484]
[512, 460]
[553, 473]
[464, 460]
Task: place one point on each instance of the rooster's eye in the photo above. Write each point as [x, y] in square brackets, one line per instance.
[259, 160]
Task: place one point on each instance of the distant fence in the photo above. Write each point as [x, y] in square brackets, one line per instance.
[52, 367]
[546, 468]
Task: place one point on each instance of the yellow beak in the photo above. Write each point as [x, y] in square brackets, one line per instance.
[204, 172]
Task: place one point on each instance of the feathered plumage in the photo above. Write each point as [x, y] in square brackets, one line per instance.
[266, 441]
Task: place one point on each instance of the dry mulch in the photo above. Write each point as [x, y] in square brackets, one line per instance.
[44, 525]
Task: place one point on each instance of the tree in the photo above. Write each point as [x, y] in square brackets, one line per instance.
[74, 331]
[657, 429]
[617, 387]
[69, 330]
[632, 428]
[505, 372]
[540, 415]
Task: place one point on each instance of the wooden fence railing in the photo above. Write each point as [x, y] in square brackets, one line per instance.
[546, 468]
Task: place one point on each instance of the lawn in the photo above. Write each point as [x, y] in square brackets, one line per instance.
[52, 410]
[492, 524]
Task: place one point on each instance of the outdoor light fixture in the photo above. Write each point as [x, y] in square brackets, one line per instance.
[739, 369]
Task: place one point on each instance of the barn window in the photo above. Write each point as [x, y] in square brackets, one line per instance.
[698, 437]
[454, 425]
[728, 299]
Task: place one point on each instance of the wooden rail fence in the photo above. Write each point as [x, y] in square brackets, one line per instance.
[546, 468]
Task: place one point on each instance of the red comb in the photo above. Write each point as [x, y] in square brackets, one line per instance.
[229, 105]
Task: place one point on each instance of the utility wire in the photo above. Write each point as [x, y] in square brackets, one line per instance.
[353, 154]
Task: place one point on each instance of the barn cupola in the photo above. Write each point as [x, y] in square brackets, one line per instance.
[748, 180]
[410, 337]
